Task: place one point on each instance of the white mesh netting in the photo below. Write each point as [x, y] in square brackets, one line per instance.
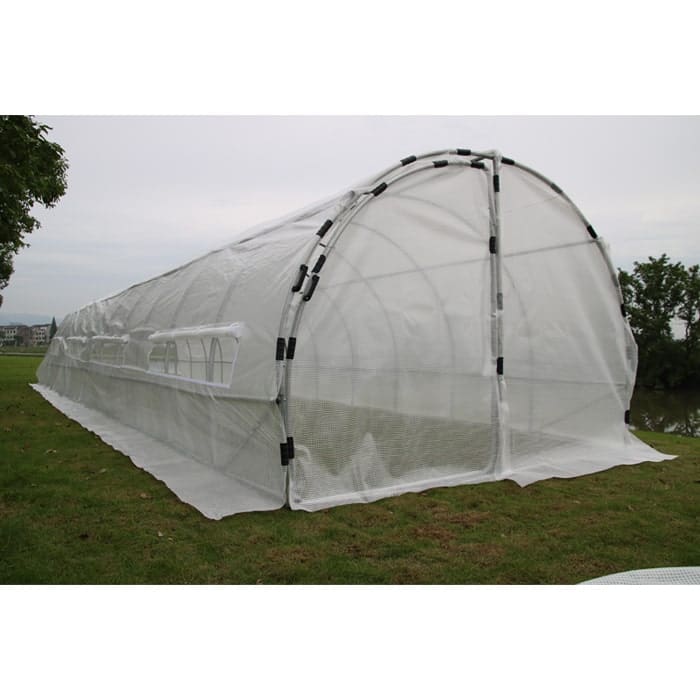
[688, 575]
[394, 385]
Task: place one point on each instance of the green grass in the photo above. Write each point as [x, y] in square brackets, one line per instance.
[23, 349]
[72, 510]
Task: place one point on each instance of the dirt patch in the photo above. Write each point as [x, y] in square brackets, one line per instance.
[438, 507]
[289, 555]
[468, 519]
[484, 552]
[364, 551]
[436, 533]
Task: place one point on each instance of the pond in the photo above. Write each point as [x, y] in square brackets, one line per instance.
[666, 411]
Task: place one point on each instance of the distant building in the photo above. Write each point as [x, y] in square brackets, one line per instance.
[24, 335]
[8, 334]
[41, 333]
[18, 334]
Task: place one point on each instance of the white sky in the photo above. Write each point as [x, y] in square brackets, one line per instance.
[146, 194]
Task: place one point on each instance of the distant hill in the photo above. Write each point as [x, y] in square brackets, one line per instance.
[7, 318]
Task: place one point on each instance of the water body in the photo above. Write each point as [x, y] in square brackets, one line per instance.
[666, 411]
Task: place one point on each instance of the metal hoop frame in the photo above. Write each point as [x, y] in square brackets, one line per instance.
[324, 242]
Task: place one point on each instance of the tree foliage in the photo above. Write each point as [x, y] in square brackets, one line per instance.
[658, 293]
[32, 171]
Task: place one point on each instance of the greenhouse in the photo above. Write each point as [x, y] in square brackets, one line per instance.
[454, 319]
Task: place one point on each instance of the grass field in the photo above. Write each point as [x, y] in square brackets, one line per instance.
[72, 510]
[38, 350]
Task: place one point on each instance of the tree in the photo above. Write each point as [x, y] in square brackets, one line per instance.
[652, 293]
[689, 313]
[53, 329]
[32, 170]
[656, 293]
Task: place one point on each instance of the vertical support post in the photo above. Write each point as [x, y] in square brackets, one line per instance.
[502, 460]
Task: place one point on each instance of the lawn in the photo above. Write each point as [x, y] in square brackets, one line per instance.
[72, 510]
[23, 349]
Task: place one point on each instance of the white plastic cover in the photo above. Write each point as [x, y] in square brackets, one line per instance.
[667, 576]
[394, 384]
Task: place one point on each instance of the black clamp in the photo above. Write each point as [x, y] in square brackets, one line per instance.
[303, 269]
[310, 287]
[326, 225]
[379, 189]
[319, 264]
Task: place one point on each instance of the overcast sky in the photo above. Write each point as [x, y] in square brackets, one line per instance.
[146, 194]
